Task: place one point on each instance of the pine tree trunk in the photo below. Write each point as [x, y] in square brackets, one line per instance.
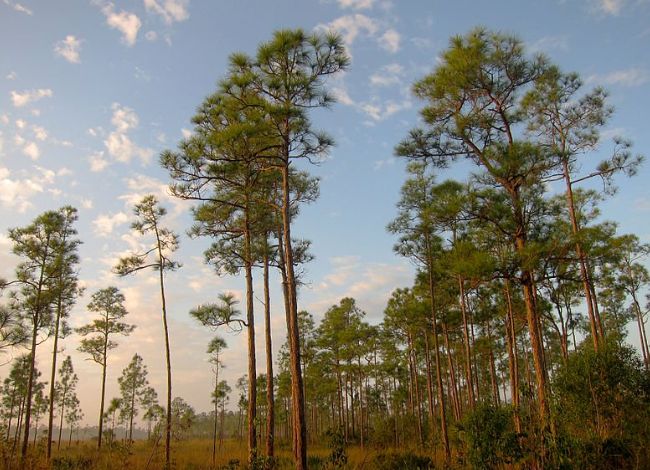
[270, 399]
[50, 419]
[62, 410]
[250, 325]
[297, 402]
[595, 324]
[441, 395]
[168, 424]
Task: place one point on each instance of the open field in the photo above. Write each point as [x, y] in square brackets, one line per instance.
[197, 455]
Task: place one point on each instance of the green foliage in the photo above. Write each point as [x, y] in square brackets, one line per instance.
[490, 436]
[338, 457]
[72, 463]
[602, 401]
[400, 461]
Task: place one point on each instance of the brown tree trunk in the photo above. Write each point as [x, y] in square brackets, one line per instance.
[468, 350]
[441, 394]
[595, 323]
[513, 361]
[270, 400]
[297, 401]
[250, 325]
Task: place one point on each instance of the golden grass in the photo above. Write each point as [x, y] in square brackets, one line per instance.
[186, 455]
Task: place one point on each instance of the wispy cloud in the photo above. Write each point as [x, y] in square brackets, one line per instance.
[388, 75]
[31, 150]
[20, 99]
[610, 7]
[356, 4]
[97, 162]
[169, 10]
[118, 143]
[550, 43]
[390, 40]
[125, 22]
[351, 27]
[629, 77]
[17, 191]
[104, 224]
[69, 49]
[18, 7]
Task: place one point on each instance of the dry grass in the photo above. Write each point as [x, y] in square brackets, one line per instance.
[186, 455]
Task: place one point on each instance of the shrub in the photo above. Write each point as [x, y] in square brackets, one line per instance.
[400, 461]
[490, 437]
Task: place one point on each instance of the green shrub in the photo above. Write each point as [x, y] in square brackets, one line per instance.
[400, 461]
[72, 463]
[490, 437]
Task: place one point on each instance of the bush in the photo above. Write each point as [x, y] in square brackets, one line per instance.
[72, 463]
[490, 437]
[400, 461]
[602, 400]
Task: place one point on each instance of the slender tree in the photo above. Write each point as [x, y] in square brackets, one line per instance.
[65, 391]
[473, 111]
[149, 213]
[66, 292]
[38, 245]
[288, 72]
[215, 349]
[568, 124]
[133, 383]
[108, 303]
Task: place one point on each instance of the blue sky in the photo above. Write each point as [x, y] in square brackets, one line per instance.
[92, 91]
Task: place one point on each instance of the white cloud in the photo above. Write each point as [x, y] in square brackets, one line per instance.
[151, 36]
[20, 124]
[342, 96]
[4, 119]
[29, 96]
[118, 143]
[18, 7]
[11, 75]
[31, 150]
[629, 77]
[610, 7]
[390, 74]
[123, 118]
[550, 43]
[350, 26]
[125, 22]
[140, 74]
[104, 224]
[95, 131]
[356, 4]
[186, 133]
[170, 10]
[69, 49]
[39, 132]
[356, 25]
[87, 203]
[97, 162]
[16, 192]
[379, 111]
[390, 40]
[141, 185]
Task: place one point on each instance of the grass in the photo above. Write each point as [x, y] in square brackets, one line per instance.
[190, 455]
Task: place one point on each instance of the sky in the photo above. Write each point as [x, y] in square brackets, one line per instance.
[92, 91]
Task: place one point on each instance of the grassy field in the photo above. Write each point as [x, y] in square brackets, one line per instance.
[197, 455]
